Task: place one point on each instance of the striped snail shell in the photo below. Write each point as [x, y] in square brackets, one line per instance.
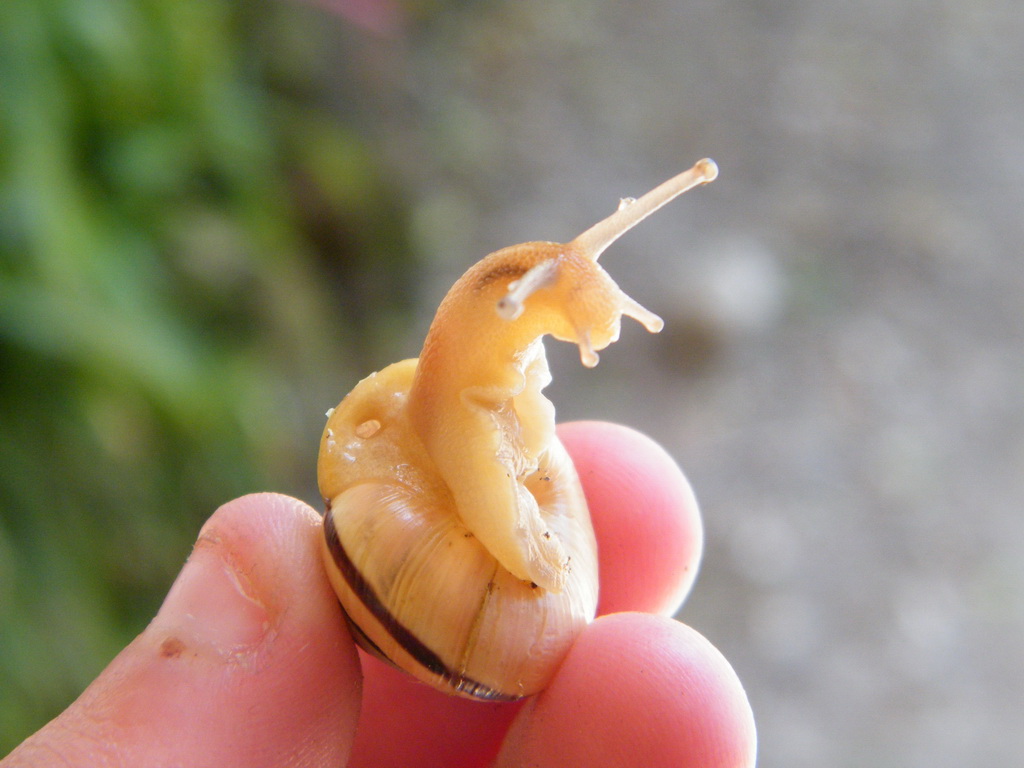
[457, 536]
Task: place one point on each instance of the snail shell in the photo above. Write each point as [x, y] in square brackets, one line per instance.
[457, 536]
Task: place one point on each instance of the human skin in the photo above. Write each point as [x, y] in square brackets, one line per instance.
[249, 661]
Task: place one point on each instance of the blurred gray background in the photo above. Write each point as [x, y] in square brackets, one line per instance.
[841, 372]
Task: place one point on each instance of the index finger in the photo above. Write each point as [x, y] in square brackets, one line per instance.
[645, 516]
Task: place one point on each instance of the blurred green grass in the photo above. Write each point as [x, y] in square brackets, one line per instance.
[190, 229]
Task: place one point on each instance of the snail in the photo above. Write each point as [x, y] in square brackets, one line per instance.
[457, 536]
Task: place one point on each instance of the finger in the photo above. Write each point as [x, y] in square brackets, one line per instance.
[406, 723]
[637, 690]
[645, 516]
[248, 662]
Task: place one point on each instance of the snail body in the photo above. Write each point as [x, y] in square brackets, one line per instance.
[457, 536]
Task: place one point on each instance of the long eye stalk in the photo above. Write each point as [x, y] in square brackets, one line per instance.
[596, 240]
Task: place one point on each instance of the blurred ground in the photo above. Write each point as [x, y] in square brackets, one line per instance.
[842, 373]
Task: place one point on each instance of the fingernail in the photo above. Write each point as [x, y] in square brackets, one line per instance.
[211, 604]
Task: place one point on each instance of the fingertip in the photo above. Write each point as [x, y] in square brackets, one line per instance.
[260, 557]
[257, 555]
[646, 518]
[298, 686]
[637, 690]
[249, 639]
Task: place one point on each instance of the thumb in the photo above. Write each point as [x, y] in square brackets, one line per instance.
[248, 662]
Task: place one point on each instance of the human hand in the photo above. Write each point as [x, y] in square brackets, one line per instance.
[249, 661]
